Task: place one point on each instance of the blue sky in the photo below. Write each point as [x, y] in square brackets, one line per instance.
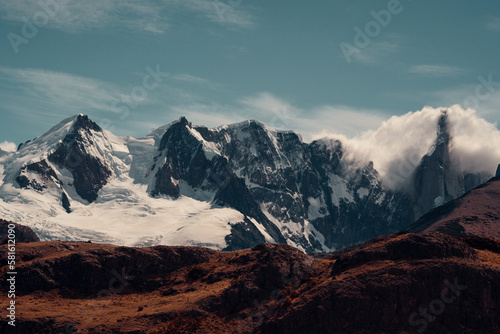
[135, 65]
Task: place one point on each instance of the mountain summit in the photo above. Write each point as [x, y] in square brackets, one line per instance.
[230, 187]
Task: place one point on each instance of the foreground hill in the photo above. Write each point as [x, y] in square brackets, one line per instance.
[477, 213]
[400, 283]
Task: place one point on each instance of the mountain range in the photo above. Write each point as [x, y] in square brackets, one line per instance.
[230, 187]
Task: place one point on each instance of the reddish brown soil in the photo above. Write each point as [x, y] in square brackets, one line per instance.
[475, 214]
[71, 287]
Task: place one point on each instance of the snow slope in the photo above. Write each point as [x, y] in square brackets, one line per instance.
[124, 213]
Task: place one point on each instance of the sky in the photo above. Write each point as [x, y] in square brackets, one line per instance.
[314, 67]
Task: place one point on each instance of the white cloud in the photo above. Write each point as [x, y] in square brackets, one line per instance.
[436, 70]
[398, 145]
[493, 24]
[395, 145]
[148, 15]
[476, 141]
[280, 114]
[8, 146]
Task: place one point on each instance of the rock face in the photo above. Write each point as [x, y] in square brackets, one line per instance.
[272, 175]
[477, 213]
[288, 191]
[22, 233]
[400, 283]
[267, 173]
[437, 179]
[73, 153]
[89, 172]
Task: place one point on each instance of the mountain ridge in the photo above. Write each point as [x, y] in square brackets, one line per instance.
[252, 183]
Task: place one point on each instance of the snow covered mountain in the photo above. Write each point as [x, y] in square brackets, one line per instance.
[229, 187]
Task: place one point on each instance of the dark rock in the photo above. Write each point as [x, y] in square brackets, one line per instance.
[410, 247]
[45, 173]
[89, 173]
[474, 214]
[285, 173]
[437, 180]
[389, 281]
[65, 202]
[22, 233]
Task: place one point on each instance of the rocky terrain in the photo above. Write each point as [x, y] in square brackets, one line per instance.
[477, 213]
[399, 283]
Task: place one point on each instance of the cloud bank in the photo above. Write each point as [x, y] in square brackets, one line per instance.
[8, 146]
[397, 147]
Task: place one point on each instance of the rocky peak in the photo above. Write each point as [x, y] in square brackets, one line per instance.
[435, 174]
[443, 130]
[85, 123]
[437, 179]
[73, 153]
[178, 130]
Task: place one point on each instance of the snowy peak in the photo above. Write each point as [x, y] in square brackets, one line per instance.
[75, 150]
[254, 183]
[82, 152]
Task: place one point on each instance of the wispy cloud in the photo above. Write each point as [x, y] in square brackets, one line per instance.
[493, 24]
[223, 12]
[38, 95]
[281, 114]
[191, 79]
[436, 70]
[78, 16]
[71, 92]
[148, 15]
[484, 99]
[8, 146]
[377, 52]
